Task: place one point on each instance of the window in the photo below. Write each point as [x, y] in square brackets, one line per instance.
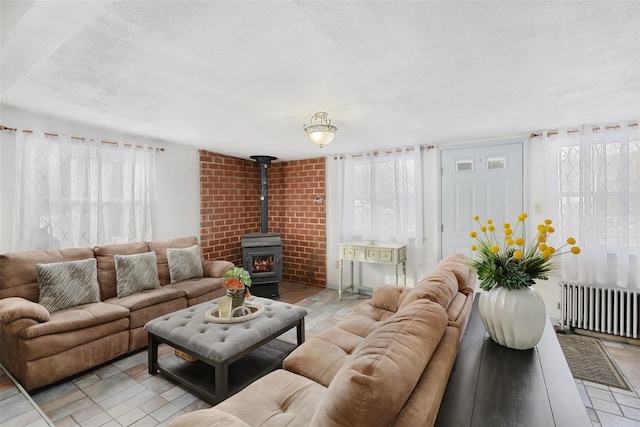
[73, 193]
[382, 196]
[595, 190]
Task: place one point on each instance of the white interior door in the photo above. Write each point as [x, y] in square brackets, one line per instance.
[485, 181]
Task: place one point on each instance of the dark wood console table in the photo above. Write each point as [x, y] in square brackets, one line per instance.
[491, 385]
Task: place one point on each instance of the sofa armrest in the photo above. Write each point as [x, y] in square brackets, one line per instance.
[207, 418]
[216, 268]
[388, 297]
[14, 308]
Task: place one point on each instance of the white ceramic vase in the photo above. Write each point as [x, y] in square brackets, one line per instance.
[514, 318]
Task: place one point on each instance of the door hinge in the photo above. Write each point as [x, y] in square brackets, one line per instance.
[442, 228]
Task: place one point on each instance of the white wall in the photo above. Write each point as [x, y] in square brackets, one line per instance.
[177, 170]
[372, 275]
[7, 187]
[178, 192]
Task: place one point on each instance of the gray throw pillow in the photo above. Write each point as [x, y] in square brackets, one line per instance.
[67, 284]
[136, 273]
[184, 263]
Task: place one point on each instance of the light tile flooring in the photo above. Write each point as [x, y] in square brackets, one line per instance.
[610, 406]
[16, 406]
[122, 393]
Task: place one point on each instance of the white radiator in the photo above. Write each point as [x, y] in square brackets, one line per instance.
[608, 310]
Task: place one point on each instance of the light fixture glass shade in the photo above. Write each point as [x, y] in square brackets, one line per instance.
[321, 137]
[320, 131]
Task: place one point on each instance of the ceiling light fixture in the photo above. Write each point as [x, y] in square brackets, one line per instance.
[320, 131]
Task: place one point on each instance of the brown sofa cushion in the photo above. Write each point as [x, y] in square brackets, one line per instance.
[18, 276]
[320, 357]
[275, 400]
[440, 287]
[53, 344]
[160, 248]
[208, 418]
[107, 265]
[445, 277]
[458, 264]
[216, 268]
[14, 308]
[389, 297]
[373, 385]
[364, 318]
[194, 288]
[76, 319]
[147, 305]
[456, 306]
[422, 407]
[147, 298]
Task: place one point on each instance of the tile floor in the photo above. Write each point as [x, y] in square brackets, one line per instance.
[16, 406]
[610, 406]
[122, 393]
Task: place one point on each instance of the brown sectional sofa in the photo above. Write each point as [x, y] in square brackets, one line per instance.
[386, 364]
[39, 347]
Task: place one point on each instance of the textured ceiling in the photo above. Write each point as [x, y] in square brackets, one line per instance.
[241, 78]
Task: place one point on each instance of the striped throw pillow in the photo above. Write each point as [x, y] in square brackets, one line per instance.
[184, 263]
[136, 273]
[67, 284]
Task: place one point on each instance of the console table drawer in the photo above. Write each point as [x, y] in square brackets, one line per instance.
[352, 252]
[379, 254]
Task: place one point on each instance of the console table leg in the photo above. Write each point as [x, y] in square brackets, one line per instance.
[351, 285]
[152, 354]
[340, 283]
[404, 272]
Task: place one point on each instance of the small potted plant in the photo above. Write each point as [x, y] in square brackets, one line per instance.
[237, 281]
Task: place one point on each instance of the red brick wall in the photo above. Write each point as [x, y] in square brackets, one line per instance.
[293, 186]
[230, 207]
[229, 204]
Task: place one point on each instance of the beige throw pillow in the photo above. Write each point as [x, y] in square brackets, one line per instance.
[184, 263]
[67, 284]
[136, 273]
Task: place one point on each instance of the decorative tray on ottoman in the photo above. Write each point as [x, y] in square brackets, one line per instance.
[250, 310]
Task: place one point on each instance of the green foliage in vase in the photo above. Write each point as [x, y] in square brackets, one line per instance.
[515, 263]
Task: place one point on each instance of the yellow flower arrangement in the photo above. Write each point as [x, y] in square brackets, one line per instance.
[515, 263]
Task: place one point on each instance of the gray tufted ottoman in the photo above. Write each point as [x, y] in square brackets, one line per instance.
[217, 345]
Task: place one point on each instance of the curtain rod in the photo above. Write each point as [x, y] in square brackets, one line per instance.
[80, 138]
[595, 129]
[398, 150]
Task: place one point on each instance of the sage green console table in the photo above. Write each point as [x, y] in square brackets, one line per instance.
[378, 253]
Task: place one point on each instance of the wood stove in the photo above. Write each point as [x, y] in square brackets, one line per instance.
[262, 258]
[262, 252]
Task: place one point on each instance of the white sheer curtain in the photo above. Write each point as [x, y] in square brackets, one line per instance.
[594, 191]
[382, 199]
[72, 193]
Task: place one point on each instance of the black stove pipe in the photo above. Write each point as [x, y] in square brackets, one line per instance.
[262, 162]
